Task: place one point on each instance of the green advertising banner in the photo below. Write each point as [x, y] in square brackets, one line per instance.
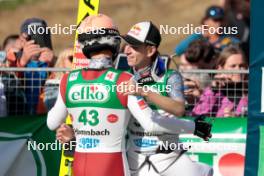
[225, 151]
[28, 147]
[261, 152]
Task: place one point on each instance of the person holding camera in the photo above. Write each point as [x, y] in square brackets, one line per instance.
[33, 50]
[32, 44]
[199, 55]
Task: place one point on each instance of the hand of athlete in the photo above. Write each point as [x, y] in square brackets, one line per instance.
[132, 88]
[202, 128]
[64, 133]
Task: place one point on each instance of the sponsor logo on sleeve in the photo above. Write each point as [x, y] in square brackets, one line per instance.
[142, 103]
[110, 76]
[73, 76]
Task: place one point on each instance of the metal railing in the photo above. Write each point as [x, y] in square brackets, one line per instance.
[212, 95]
[34, 91]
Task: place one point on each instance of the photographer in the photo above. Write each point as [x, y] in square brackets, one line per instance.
[36, 47]
[33, 50]
[199, 55]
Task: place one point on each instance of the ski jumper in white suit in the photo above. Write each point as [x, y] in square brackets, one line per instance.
[144, 155]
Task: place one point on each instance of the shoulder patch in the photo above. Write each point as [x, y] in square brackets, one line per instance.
[111, 76]
[73, 76]
[141, 103]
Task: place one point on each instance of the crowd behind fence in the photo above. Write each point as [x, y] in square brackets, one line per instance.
[27, 91]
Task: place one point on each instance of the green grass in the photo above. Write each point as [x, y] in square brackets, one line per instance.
[13, 4]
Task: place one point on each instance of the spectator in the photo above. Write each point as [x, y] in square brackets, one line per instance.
[238, 14]
[36, 53]
[214, 18]
[227, 95]
[193, 83]
[199, 55]
[15, 94]
[3, 111]
[33, 50]
[2, 58]
[51, 88]
[65, 60]
[31, 44]
[12, 95]
[10, 42]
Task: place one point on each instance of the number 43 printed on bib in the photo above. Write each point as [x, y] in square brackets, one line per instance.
[89, 117]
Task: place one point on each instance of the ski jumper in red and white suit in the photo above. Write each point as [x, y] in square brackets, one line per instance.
[100, 117]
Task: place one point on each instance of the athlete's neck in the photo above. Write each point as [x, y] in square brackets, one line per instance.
[101, 60]
[100, 63]
[142, 72]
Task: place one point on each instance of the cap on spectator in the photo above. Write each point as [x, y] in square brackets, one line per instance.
[31, 24]
[215, 12]
[143, 33]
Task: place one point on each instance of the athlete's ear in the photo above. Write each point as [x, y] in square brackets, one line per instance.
[151, 50]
